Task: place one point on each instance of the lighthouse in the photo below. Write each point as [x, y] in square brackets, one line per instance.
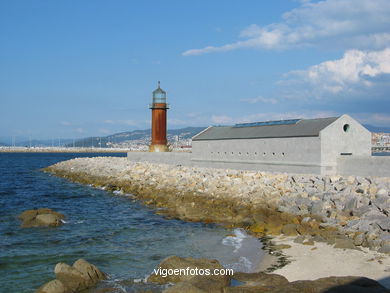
[159, 108]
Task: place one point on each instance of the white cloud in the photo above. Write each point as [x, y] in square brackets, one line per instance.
[354, 73]
[260, 100]
[343, 24]
[65, 123]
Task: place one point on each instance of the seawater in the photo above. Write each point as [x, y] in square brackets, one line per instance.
[121, 236]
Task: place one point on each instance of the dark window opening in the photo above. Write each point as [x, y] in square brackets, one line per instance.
[346, 154]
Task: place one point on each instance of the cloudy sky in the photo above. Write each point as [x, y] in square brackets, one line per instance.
[72, 68]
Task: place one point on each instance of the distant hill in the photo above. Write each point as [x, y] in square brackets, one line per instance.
[143, 136]
[377, 128]
[140, 135]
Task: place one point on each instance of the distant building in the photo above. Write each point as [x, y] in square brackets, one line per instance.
[294, 146]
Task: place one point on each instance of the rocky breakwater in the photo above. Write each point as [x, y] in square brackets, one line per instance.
[346, 211]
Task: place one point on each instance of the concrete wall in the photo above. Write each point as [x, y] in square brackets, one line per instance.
[173, 158]
[336, 142]
[377, 166]
[294, 155]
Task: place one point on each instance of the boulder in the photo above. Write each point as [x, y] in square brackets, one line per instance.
[336, 285]
[89, 272]
[41, 218]
[54, 286]
[70, 279]
[49, 220]
[70, 276]
[176, 264]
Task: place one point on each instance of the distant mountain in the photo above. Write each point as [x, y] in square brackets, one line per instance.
[377, 128]
[140, 136]
[135, 135]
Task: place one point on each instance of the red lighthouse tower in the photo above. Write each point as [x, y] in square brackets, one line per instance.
[159, 108]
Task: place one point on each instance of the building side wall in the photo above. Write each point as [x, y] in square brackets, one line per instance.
[336, 142]
[294, 155]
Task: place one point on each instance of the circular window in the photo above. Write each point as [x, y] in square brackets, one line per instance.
[346, 127]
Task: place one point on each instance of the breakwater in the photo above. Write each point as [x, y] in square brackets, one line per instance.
[345, 211]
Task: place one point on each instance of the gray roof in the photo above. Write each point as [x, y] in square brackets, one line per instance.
[303, 128]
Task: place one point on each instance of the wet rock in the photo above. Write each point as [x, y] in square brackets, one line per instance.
[175, 269]
[54, 286]
[336, 285]
[71, 279]
[198, 284]
[41, 218]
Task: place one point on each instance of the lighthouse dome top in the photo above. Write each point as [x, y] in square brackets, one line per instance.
[159, 95]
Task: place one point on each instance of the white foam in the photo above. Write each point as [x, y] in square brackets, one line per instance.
[236, 240]
[247, 251]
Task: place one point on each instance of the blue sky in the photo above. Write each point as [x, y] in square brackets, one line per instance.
[71, 68]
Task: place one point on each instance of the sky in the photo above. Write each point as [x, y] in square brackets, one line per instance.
[72, 69]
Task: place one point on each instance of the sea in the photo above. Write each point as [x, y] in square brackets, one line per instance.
[124, 238]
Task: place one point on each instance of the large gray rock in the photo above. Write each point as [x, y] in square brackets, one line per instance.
[384, 224]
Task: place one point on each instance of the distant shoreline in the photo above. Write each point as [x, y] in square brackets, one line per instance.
[60, 150]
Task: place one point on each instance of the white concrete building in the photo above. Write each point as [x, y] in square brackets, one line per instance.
[319, 146]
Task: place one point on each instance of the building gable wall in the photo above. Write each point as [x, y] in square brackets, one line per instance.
[344, 137]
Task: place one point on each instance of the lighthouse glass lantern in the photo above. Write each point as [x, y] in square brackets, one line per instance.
[159, 109]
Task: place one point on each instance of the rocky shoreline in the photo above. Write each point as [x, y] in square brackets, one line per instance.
[341, 212]
[348, 212]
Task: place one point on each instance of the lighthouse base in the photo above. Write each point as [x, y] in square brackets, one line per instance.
[156, 148]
